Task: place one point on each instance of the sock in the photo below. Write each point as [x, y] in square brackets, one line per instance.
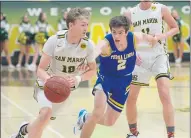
[133, 129]
[23, 130]
[170, 131]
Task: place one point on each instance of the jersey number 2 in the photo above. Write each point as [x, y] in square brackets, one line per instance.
[69, 69]
[121, 64]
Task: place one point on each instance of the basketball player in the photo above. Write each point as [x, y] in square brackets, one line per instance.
[117, 62]
[62, 54]
[148, 17]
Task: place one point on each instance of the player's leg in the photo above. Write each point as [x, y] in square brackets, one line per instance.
[181, 49]
[35, 128]
[141, 77]
[161, 67]
[5, 48]
[131, 108]
[21, 54]
[27, 55]
[32, 66]
[96, 115]
[175, 50]
[116, 100]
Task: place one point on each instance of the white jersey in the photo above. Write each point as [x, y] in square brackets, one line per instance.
[26, 27]
[67, 57]
[148, 21]
[4, 25]
[62, 25]
[41, 27]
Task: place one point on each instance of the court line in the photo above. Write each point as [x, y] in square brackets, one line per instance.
[29, 114]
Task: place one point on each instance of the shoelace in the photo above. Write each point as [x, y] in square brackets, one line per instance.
[129, 135]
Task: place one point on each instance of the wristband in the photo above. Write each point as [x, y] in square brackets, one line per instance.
[78, 78]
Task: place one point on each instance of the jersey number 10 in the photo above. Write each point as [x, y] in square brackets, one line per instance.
[146, 30]
[68, 69]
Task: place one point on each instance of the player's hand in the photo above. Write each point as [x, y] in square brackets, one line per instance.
[71, 80]
[160, 36]
[138, 60]
[48, 77]
[154, 40]
[83, 68]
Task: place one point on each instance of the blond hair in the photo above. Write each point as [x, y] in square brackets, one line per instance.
[76, 13]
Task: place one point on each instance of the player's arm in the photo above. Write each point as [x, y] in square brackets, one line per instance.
[90, 72]
[142, 37]
[91, 63]
[101, 48]
[46, 58]
[173, 27]
[44, 62]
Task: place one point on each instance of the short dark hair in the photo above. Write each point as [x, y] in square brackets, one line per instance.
[76, 13]
[120, 21]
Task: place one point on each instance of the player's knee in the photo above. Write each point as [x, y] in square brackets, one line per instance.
[110, 121]
[164, 95]
[45, 114]
[97, 114]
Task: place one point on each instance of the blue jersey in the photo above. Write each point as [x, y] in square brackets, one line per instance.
[118, 63]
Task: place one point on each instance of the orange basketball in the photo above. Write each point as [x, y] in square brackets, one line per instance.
[57, 89]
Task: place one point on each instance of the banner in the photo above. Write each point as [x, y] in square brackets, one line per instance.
[101, 13]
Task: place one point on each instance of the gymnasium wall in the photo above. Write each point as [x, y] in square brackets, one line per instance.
[98, 26]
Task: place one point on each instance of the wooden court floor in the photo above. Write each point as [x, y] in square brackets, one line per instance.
[18, 105]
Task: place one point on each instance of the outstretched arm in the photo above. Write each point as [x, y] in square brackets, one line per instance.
[142, 37]
[101, 48]
[173, 27]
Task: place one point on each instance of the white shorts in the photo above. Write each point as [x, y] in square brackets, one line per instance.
[152, 65]
[40, 97]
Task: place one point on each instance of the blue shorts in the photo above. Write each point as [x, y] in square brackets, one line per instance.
[115, 88]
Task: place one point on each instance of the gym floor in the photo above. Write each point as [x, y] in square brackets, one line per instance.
[18, 105]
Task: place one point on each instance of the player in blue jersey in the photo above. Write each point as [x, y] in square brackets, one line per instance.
[117, 61]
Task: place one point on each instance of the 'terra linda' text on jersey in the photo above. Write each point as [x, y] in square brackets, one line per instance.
[118, 63]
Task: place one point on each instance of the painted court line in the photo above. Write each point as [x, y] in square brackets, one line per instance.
[29, 114]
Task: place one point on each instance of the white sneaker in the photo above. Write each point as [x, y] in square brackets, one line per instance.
[18, 66]
[80, 121]
[32, 67]
[26, 65]
[178, 60]
[18, 134]
[11, 66]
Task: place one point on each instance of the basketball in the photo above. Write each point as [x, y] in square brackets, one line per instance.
[57, 89]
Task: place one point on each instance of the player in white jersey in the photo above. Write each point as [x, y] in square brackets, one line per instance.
[62, 54]
[148, 17]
